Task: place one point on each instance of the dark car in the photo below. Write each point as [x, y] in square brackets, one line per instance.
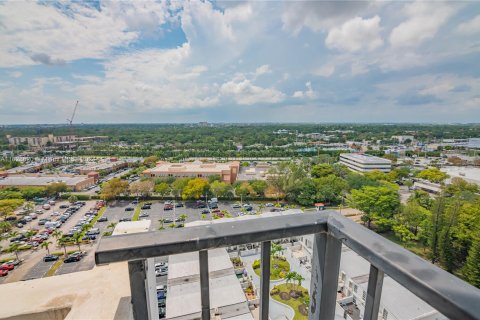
[71, 259]
[10, 218]
[148, 203]
[168, 207]
[201, 206]
[205, 211]
[50, 257]
[146, 207]
[102, 219]
[64, 206]
[89, 237]
[178, 205]
[167, 221]
[125, 219]
[213, 206]
[129, 209]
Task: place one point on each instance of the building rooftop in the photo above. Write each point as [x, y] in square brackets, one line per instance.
[368, 159]
[41, 180]
[196, 166]
[469, 174]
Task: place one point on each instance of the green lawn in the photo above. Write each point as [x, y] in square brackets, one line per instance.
[285, 288]
[278, 268]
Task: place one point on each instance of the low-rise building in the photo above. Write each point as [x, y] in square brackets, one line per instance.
[365, 163]
[103, 166]
[74, 182]
[227, 171]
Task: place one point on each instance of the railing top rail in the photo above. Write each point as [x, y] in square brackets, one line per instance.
[450, 295]
[160, 243]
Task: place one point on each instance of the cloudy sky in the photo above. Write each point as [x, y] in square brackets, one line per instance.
[230, 61]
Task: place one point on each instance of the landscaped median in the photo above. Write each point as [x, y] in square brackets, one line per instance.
[54, 268]
[138, 210]
[279, 267]
[294, 296]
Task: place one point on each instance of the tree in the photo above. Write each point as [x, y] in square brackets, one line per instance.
[357, 181]
[73, 198]
[219, 188]
[62, 242]
[162, 221]
[162, 189]
[432, 175]
[14, 247]
[330, 189]
[299, 278]
[112, 226]
[244, 189]
[29, 206]
[8, 206]
[213, 178]
[141, 188]
[276, 250]
[259, 186]
[290, 276]
[183, 217]
[178, 186]
[436, 226]
[412, 216]
[57, 234]
[46, 245]
[5, 226]
[53, 189]
[376, 203]
[150, 161]
[471, 271]
[322, 170]
[195, 189]
[113, 188]
[77, 238]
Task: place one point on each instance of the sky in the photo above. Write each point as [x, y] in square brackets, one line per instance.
[226, 61]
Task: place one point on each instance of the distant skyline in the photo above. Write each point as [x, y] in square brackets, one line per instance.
[192, 61]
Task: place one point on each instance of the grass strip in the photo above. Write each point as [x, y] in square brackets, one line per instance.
[54, 268]
[138, 210]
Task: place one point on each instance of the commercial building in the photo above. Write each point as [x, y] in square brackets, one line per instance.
[402, 139]
[365, 163]
[74, 182]
[227, 171]
[52, 140]
[103, 166]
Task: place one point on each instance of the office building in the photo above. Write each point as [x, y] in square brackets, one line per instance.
[365, 163]
[73, 182]
[226, 171]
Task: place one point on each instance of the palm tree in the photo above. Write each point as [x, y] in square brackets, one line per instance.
[183, 217]
[14, 247]
[77, 238]
[62, 243]
[299, 279]
[112, 225]
[46, 245]
[57, 234]
[162, 221]
[276, 249]
[290, 276]
[260, 208]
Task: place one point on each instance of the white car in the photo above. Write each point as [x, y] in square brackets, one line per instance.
[161, 272]
[28, 218]
[269, 205]
[55, 213]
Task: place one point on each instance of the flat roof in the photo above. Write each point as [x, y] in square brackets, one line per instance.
[42, 180]
[196, 166]
[469, 174]
[186, 264]
[364, 158]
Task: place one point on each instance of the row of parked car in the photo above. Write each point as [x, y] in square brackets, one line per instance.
[73, 257]
[8, 266]
[161, 269]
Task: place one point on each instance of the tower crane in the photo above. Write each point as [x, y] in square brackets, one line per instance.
[70, 121]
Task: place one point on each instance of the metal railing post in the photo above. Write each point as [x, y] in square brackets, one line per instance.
[265, 280]
[138, 288]
[374, 293]
[325, 268]
[204, 284]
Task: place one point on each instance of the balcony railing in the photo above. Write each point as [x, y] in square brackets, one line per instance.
[448, 294]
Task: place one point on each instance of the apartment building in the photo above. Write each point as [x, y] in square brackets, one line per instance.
[228, 172]
[40, 141]
[365, 163]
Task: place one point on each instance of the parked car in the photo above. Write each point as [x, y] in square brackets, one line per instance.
[143, 215]
[168, 207]
[146, 207]
[129, 209]
[10, 218]
[50, 257]
[167, 220]
[102, 219]
[3, 273]
[7, 266]
[178, 205]
[64, 206]
[71, 259]
[125, 219]
[236, 206]
[269, 205]
[205, 211]
[89, 237]
[14, 262]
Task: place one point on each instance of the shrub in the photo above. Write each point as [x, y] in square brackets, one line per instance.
[256, 264]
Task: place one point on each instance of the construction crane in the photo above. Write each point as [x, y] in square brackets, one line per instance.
[73, 115]
[70, 121]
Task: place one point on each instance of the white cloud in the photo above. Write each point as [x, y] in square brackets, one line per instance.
[356, 34]
[37, 33]
[424, 20]
[319, 15]
[244, 92]
[263, 70]
[469, 27]
[309, 93]
[326, 70]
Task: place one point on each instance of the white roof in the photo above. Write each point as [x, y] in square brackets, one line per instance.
[42, 180]
[364, 158]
